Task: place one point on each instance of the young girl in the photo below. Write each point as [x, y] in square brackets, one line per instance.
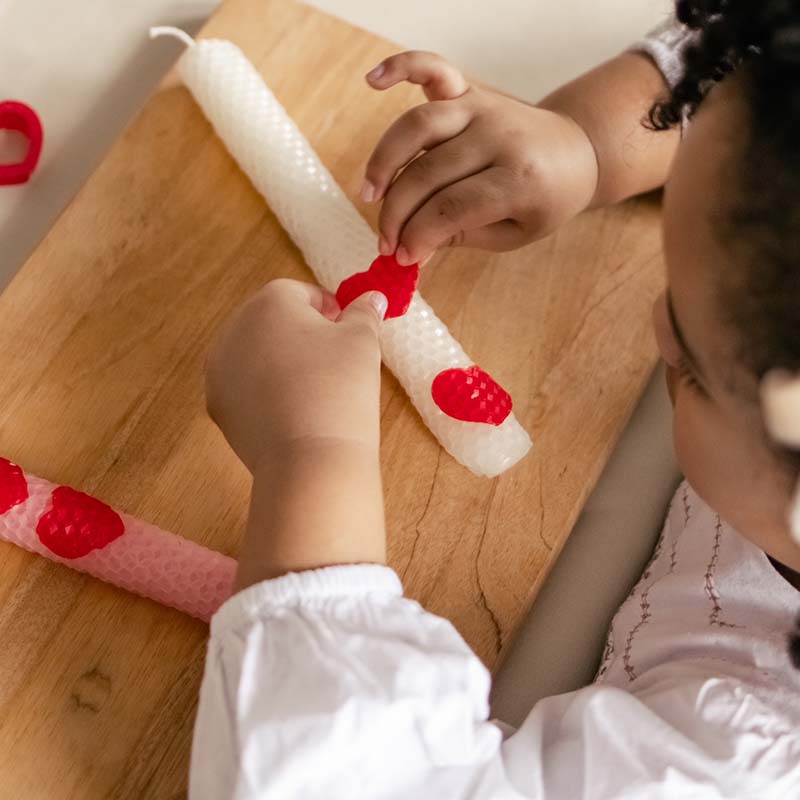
[322, 681]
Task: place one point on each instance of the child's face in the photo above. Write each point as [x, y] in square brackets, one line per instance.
[717, 426]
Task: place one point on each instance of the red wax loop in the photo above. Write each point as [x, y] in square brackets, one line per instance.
[471, 395]
[13, 485]
[78, 524]
[16, 116]
[384, 275]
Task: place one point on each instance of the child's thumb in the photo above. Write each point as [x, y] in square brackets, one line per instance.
[369, 310]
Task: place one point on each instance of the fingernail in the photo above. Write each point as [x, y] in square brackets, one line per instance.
[379, 302]
[403, 257]
[367, 191]
[383, 246]
[376, 72]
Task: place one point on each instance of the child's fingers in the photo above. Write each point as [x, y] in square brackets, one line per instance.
[507, 234]
[472, 203]
[330, 306]
[419, 129]
[439, 79]
[365, 311]
[448, 163]
[286, 291]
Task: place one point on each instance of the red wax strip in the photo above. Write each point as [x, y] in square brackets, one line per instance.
[13, 485]
[471, 395]
[77, 524]
[16, 116]
[384, 275]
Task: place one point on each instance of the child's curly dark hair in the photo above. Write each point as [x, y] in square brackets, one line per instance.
[759, 219]
[760, 39]
[764, 34]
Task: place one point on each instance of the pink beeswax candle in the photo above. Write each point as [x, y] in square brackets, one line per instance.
[71, 527]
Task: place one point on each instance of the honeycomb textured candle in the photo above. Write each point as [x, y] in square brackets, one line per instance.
[82, 532]
[334, 238]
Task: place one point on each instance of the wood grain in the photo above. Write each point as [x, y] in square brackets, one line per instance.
[102, 339]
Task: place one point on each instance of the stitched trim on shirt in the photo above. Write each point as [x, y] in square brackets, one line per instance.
[608, 652]
[710, 588]
[645, 607]
[673, 556]
[687, 506]
[626, 656]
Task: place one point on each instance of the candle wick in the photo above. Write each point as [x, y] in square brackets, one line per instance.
[166, 30]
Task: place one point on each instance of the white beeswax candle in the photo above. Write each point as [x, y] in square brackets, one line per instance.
[334, 238]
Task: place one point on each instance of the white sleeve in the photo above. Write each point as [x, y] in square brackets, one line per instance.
[329, 684]
[665, 45]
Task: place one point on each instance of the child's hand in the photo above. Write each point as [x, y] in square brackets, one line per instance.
[282, 373]
[495, 173]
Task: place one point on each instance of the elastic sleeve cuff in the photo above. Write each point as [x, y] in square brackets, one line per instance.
[666, 45]
[298, 588]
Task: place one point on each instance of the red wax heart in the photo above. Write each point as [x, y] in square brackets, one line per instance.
[384, 275]
[78, 524]
[15, 116]
[471, 395]
[13, 486]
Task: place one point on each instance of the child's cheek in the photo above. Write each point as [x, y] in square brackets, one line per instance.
[689, 438]
[703, 451]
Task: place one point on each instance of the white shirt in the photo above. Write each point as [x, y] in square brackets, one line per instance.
[330, 684]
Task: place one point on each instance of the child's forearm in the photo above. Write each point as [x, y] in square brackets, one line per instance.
[315, 505]
[609, 103]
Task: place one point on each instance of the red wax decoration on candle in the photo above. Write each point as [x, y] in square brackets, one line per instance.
[471, 395]
[384, 275]
[13, 485]
[77, 524]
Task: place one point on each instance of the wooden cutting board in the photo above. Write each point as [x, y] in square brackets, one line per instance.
[102, 339]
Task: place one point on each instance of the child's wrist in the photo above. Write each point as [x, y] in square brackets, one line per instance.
[586, 187]
[316, 502]
[304, 449]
